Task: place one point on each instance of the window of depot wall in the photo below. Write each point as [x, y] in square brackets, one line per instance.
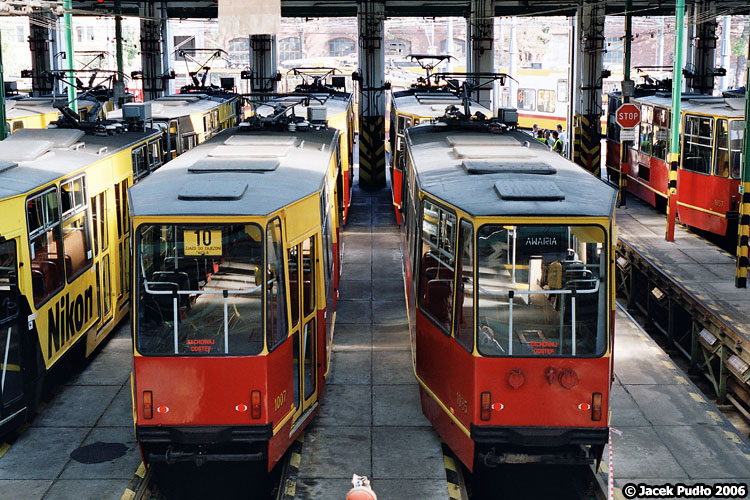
[341, 47]
[289, 48]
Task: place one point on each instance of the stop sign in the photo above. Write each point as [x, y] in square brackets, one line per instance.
[628, 115]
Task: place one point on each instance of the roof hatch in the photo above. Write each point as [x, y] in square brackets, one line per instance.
[212, 165]
[528, 190]
[60, 137]
[23, 150]
[223, 151]
[515, 152]
[261, 140]
[507, 167]
[212, 190]
[481, 140]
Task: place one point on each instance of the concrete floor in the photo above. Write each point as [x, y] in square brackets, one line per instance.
[664, 430]
[371, 421]
[81, 446]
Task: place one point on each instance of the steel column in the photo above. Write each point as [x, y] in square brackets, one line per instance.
[674, 143]
[627, 90]
[743, 228]
[69, 55]
[705, 47]
[372, 87]
[263, 62]
[41, 59]
[585, 140]
[119, 85]
[3, 127]
[151, 50]
[480, 37]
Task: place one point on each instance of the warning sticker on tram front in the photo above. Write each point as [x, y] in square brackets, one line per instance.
[628, 115]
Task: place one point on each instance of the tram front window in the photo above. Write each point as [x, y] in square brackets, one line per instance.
[199, 290]
[542, 290]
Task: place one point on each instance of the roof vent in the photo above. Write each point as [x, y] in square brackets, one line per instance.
[500, 167]
[528, 190]
[6, 165]
[212, 190]
[212, 165]
[59, 137]
[23, 150]
[261, 140]
[223, 151]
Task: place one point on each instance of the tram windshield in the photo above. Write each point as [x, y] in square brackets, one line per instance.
[200, 290]
[542, 290]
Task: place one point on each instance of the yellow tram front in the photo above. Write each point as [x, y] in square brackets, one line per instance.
[64, 239]
[234, 270]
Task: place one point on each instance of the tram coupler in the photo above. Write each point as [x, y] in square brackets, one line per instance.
[172, 456]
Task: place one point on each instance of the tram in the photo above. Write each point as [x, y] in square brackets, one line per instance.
[64, 240]
[711, 132]
[424, 102]
[541, 97]
[235, 298]
[328, 101]
[31, 112]
[508, 265]
[191, 117]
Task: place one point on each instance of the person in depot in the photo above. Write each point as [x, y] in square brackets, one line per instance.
[563, 137]
[557, 144]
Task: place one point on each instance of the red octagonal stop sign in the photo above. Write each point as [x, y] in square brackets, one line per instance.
[628, 115]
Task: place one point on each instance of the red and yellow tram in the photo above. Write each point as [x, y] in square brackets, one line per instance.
[711, 131]
[424, 102]
[508, 263]
[234, 293]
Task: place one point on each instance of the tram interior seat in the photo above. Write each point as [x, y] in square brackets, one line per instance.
[437, 299]
[45, 276]
[74, 245]
[173, 281]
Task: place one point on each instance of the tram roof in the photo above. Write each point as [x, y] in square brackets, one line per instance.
[732, 107]
[431, 104]
[335, 104]
[177, 105]
[32, 158]
[21, 108]
[443, 155]
[267, 171]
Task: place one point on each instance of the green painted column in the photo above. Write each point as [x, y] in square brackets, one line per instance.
[743, 228]
[69, 56]
[674, 143]
[118, 35]
[3, 127]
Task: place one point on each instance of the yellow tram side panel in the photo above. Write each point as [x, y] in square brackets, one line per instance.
[40, 120]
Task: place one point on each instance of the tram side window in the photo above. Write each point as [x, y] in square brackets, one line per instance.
[645, 130]
[8, 280]
[308, 275]
[325, 216]
[276, 327]
[721, 162]
[526, 99]
[140, 161]
[661, 133]
[736, 131]
[437, 267]
[464, 327]
[698, 142]
[45, 243]
[562, 90]
[546, 101]
[613, 129]
[75, 227]
[188, 142]
[154, 155]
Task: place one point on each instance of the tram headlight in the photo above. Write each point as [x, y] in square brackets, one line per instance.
[486, 399]
[596, 406]
[148, 405]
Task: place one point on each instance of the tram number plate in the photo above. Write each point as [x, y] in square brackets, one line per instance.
[202, 242]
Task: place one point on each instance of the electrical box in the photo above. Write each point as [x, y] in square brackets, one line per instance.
[317, 114]
[140, 111]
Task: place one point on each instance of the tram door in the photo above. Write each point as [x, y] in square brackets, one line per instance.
[303, 311]
[100, 224]
[11, 327]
